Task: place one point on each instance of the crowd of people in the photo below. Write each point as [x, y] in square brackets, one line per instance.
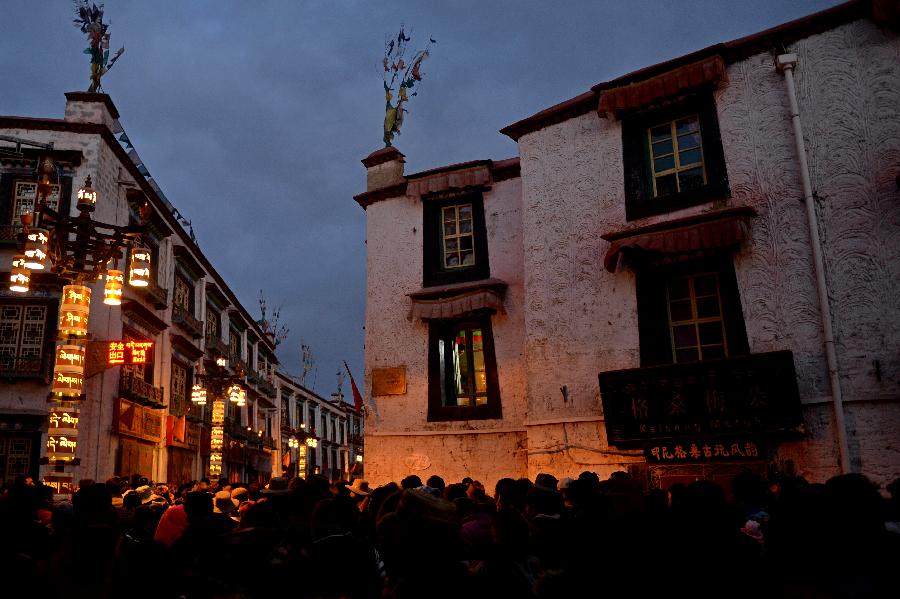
[584, 537]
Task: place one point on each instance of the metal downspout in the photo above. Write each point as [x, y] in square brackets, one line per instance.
[786, 64]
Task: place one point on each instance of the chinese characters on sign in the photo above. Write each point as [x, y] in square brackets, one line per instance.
[130, 352]
[744, 395]
[703, 450]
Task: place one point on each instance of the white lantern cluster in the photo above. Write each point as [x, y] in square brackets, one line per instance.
[198, 395]
[237, 395]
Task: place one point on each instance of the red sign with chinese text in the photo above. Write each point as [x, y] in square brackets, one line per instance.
[130, 352]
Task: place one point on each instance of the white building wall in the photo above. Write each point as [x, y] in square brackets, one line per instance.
[399, 439]
[581, 320]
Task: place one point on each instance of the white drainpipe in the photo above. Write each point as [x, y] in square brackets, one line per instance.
[786, 64]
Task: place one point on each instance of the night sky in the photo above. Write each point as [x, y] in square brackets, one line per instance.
[253, 116]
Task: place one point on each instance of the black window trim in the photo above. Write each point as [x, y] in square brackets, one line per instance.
[639, 199]
[437, 412]
[433, 273]
[655, 343]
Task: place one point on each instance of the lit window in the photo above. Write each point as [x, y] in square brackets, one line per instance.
[695, 318]
[462, 371]
[676, 152]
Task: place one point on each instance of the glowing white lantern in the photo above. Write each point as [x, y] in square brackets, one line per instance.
[74, 311]
[36, 242]
[139, 271]
[68, 371]
[19, 276]
[198, 395]
[87, 197]
[112, 291]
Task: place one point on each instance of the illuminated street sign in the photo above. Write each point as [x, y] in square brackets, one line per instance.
[130, 352]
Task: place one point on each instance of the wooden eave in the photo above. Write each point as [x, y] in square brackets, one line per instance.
[184, 345]
[145, 315]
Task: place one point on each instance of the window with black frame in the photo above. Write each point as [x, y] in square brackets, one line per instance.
[462, 370]
[455, 241]
[23, 338]
[672, 156]
[689, 312]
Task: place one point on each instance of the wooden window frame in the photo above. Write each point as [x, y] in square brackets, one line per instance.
[640, 198]
[213, 321]
[676, 153]
[654, 330]
[434, 272]
[444, 329]
[183, 407]
[189, 285]
[695, 319]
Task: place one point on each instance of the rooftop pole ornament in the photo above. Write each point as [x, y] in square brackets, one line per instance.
[89, 18]
[399, 78]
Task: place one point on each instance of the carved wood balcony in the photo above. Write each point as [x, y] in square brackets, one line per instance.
[216, 347]
[265, 387]
[156, 295]
[140, 391]
[187, 322]
[746, 395]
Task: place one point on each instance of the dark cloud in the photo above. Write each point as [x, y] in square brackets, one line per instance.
[253, 116]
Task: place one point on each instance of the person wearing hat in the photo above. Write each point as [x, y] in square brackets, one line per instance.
[359, 492]
[223, 509]
[144, 493]
[277, 486]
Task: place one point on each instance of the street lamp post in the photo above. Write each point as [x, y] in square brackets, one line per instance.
[221, 386]
[80, 250]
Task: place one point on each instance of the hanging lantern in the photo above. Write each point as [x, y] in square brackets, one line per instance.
[198, 395]
[63, 420]
[112, 291]
[19, 276]
[217, 438]
[87, 197]
[36, 241]
[139, 272]
[218, 412]
[61, 448]
[234, 393]
[68, 371]
[215, 464]
[301, 460]
[74, 311]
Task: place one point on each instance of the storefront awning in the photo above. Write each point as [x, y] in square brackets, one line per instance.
[683, 237]
[672, 83]
[458, 299]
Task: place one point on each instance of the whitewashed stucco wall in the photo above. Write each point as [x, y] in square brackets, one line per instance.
[399, 439]
[581, 320]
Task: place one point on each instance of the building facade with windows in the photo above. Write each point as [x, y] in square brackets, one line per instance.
[136, 418]
[655, 298]
[318, 435]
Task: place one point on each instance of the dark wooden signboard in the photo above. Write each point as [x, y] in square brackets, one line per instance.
[735, 396]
